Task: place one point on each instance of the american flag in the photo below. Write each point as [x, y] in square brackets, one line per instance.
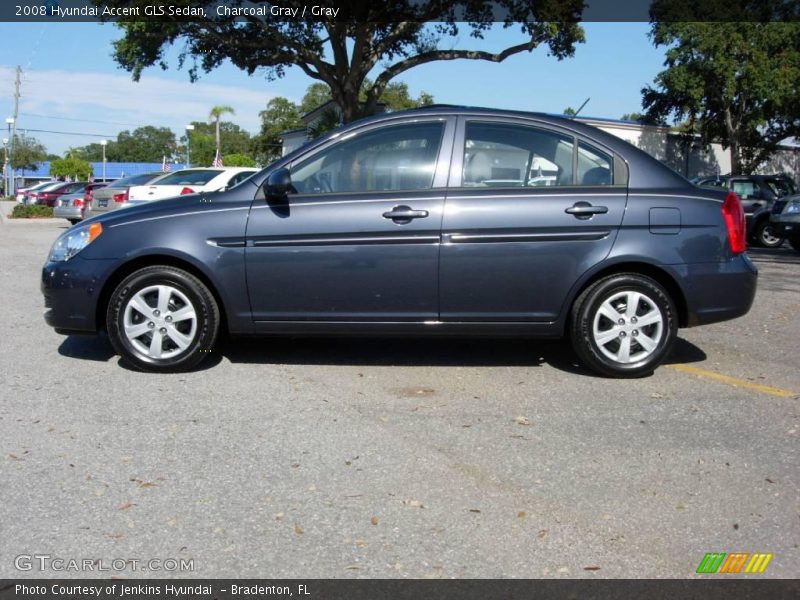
[164, 165]
[217, 160]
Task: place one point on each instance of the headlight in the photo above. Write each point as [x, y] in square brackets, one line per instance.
[73, 241]
[792, 208]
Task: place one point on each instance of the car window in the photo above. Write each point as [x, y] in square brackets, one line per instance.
[134, 180]
[502, 155]
[197, 177]
[400, 157]
[745, 189]
[239, 178]
[781, 186]
[594, 166]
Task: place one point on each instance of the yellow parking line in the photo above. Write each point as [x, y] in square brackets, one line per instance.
[734, 381]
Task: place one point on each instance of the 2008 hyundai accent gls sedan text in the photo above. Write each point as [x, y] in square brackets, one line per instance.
[434, 221]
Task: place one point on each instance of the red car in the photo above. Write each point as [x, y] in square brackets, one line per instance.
[49, 196]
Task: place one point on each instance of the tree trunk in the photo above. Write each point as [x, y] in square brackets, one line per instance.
[217, 137]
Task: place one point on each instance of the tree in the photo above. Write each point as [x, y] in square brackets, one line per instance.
[213, 116]
[238, 160]
[643, 119]
[281, 115]
[233, 139]
[27, 153]
[569, 112]
[145, 144]
[733, 82]
[388, 38]
[74, 167]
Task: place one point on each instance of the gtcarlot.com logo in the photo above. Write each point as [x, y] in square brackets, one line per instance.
[736, 562]
[46, 562]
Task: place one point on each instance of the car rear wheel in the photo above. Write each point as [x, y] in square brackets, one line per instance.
[623, 325]
[765, 237]
[161, 318]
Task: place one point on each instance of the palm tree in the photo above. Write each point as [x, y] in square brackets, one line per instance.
[213, 117]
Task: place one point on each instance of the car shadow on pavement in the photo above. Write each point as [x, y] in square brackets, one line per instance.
[380, 352]
[784, 255]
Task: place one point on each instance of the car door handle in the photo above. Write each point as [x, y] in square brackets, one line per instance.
[404, 214]
[584, 210]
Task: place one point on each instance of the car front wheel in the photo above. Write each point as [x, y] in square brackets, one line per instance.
[623, 325]
[161, 318]
[765, 237]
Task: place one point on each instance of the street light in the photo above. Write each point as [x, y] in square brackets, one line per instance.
[10, 187]
[103, 143]
[5, 165]
[189, 129]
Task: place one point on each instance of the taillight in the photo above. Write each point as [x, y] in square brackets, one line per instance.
[733, 215]
[77, 202]
[123, 197]
[187, 190]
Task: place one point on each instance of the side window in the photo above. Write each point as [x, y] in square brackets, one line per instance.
[399, 157]
[594, 167]
[745, 189]
[503, 155]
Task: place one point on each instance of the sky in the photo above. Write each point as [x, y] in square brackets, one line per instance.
[71, 83]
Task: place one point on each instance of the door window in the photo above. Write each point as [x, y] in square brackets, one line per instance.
[745, 189]
[594, 167]
[400, 157]
[503, 155]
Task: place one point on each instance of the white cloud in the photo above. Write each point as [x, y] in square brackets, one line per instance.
[115, 97]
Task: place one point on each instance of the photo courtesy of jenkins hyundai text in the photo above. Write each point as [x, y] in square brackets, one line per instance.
[434, 221]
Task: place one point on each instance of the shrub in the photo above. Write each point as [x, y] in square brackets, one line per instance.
[23, 211]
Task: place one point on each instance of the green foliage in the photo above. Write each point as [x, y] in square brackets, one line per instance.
[387, 39]
[233, 140]
[71, 166]
[145, 144]
[569, 112]
[33, 211]
[27, 152]
[280, 115]
[733, 82]
[238, 160]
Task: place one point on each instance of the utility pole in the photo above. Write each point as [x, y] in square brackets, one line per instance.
[17, 83]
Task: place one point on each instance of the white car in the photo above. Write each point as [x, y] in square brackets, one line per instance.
[189, 181]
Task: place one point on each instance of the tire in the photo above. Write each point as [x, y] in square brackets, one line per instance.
[601, 342]
[170, 303]
[794, 242]
[764, 236]
[73, 221]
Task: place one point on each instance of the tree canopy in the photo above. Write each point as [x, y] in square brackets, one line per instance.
[71, 167]
[385, 39]
[27, 152]
[735, 83]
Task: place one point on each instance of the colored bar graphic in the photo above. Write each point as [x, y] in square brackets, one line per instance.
[720, 562]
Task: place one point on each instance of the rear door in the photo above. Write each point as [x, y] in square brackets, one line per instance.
[529, 209]
[359, 240]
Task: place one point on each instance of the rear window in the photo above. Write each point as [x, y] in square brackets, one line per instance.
[134, 180]
[189, 177]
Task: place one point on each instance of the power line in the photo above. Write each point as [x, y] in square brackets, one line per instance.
[76, 119]
[100, 135]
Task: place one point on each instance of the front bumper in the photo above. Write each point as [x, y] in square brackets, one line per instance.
[71, 292]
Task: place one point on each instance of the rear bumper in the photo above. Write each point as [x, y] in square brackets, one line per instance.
[71, 290]
[68, 212]
[719, 291]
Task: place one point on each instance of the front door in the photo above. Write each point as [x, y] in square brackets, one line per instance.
[359, 240]
[529, 210]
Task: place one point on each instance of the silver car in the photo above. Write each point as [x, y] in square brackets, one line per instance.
[115, 194]
[72, 207]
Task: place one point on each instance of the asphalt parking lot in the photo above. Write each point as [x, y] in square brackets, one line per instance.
[386, 458]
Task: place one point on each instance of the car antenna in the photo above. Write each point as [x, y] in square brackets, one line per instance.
[580, 108]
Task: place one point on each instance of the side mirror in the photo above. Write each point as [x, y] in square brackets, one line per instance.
[278, 184]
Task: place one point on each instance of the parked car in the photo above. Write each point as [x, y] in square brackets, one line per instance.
[49, 195]
[786, 222]
[431, 222]
[758, 194]
[115, 194]
[21, 193]
[73, 206]
[189, 181]
[29, 195]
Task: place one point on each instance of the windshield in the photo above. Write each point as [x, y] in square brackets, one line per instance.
[781, 186]
[189, 177]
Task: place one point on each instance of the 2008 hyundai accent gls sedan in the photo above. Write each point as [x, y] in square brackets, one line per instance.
[435, 221]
